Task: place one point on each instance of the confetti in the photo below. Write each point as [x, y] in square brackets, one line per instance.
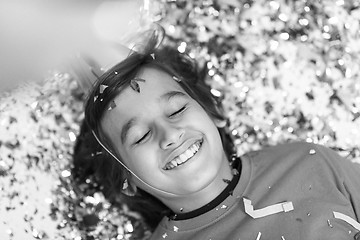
[112, 106]
[102, 88]
[176, 78]
[347, 219]
[258, 236]
[135, 85]
[269, 210]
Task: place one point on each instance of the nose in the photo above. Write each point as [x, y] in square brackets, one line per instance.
[171, 135]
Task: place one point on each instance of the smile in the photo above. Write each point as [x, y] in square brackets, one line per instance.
[184, 157]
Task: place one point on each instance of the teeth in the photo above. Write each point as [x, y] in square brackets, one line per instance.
[183, 157]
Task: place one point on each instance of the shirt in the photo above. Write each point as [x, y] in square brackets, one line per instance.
[294, 191]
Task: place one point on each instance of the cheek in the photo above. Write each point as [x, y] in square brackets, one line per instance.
[142, 158]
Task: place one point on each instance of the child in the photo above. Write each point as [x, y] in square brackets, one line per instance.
[158, 120]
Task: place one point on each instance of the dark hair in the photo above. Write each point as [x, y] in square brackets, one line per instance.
[164, 58]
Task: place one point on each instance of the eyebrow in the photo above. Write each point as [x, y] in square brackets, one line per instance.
[129, 124]
[169, 95]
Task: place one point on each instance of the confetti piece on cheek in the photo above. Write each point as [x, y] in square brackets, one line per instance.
[258, 236]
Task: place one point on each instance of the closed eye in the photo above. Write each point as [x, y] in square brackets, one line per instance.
[142, 138]
[181, 110]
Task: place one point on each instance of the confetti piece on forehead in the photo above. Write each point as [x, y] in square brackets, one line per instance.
[176, 78]
[112, 106]
[135, 85]
[102, 88]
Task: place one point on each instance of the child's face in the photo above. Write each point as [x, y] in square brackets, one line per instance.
[159, 126]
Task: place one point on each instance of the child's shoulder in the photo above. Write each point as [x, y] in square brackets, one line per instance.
[287, 151]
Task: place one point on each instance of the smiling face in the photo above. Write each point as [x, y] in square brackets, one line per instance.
[166, 138]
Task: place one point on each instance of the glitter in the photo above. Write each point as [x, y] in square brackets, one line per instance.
[340, 2]
[312, 151]
[10, 232]
[284, 36]
[329, 223]
[234, 132]
[282, 238]
[303, 21]
[164, 235]
[176, 229]
[274, 45]
[72, 136]
[283, 17]
[181, 209]
[223, 206]
[274, 4]
[95, 98]
[171, 29]
[308, 214]
[304, 38]
[258, 236]
[215, 92]
[116, 73]
[333, 20]
[66, 173]
[128, 227]
[182, 47]
[34, 105]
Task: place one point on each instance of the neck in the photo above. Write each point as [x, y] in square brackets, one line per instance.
[191, 202]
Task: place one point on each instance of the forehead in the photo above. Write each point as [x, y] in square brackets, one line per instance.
[130, 103]
[157, 82]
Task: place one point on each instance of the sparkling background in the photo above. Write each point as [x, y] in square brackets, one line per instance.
[284, 71]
